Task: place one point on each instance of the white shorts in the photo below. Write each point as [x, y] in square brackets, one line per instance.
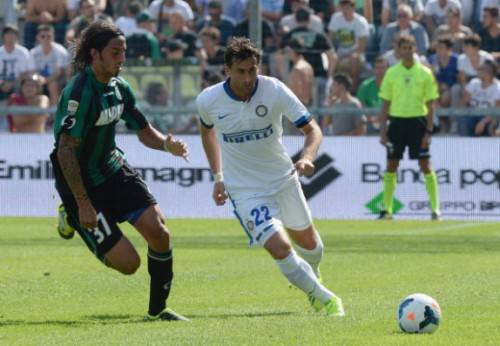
[262, 216]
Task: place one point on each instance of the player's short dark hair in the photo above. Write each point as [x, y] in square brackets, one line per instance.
[343, 79]
[380, 60]
[406, 39]
[97, 35]
[446, 41]
[473, 40]
[492, 11]
[240, 48]
[302, 15]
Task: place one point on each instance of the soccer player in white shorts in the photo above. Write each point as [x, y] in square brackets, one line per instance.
[241, 130]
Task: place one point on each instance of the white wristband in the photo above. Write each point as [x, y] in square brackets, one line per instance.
[218, 177]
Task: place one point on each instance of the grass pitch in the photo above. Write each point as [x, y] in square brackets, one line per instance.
[54, 291]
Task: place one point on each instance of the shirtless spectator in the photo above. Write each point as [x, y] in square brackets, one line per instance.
[30, 95]
[49, 12]
[89, 13]
[301, 76]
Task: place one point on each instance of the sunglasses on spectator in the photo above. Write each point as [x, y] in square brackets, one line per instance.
[45, 36]
[402, 15]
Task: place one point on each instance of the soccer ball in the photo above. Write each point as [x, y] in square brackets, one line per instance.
[419, 313]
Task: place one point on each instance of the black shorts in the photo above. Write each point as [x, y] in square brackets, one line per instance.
[405, 132]
[114, 200]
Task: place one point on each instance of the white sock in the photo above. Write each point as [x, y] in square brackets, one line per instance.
[314, 256]
[301, 275]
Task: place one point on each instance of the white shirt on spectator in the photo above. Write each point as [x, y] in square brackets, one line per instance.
[483, 97]
[465, 66]
[180, 6]
[48, 64]
[14, 63]
[315, 22]
[347, 33]
[438, 13]
[126, 24]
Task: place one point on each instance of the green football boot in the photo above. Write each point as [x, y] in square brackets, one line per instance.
[63, 227]
[334, 307]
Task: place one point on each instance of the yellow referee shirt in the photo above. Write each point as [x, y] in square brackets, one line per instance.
[408, 90]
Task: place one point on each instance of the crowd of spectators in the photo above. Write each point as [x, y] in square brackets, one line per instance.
[331, 53]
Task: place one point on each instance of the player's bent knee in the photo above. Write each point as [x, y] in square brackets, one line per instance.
[159, 238]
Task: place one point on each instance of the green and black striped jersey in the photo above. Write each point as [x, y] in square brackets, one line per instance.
[89, 110]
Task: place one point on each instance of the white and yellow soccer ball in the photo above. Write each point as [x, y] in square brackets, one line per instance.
[419, 313]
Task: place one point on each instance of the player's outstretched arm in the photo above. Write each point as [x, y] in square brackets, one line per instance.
[313, 138]
[66, 155]
[154, 139]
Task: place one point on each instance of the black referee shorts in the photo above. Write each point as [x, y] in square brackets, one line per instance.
[114, 200]
[407, 132]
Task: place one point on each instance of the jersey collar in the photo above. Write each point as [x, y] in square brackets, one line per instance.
[232, 95]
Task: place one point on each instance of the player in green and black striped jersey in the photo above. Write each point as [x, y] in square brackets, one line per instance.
[97, 186]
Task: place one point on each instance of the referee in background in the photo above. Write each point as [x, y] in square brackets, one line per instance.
[408, 92]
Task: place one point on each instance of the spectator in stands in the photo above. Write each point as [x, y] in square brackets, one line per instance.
[50, 12]
[161, 10]
[444, 64]
[272, 10]
[181, 32]
[73, 7]
[213, 53]
[316, 44]
[268, 34]
[405, 25]
[349, 32]
[323, 9]
[436, 11]
[30, 95]
[235, 9]
[89, 13]
[368, 92]
[340, 96]
[142, 43]
[156, 101]
[490, 32]
[471, 59]
[452, 29]
[289, 22]
[301, 76]
[127, 24]
[390, 10]
[363, 7]
[16, 62]
[9, 11]
[51, 61]
[482, 92]
[479, 11]
[216, 19]
[175, 50]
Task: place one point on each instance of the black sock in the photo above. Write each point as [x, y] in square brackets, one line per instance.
[160, 270]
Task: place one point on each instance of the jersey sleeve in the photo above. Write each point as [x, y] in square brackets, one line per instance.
[386, 87]
[73, 107]
[431, 88]
[291, 106]
[132, 115]
[202, 111]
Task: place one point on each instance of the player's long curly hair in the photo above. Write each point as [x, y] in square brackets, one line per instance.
[96, 35]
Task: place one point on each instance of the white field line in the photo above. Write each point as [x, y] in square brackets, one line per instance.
[438, 228]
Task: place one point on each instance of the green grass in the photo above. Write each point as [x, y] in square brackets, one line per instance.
[54, 291]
